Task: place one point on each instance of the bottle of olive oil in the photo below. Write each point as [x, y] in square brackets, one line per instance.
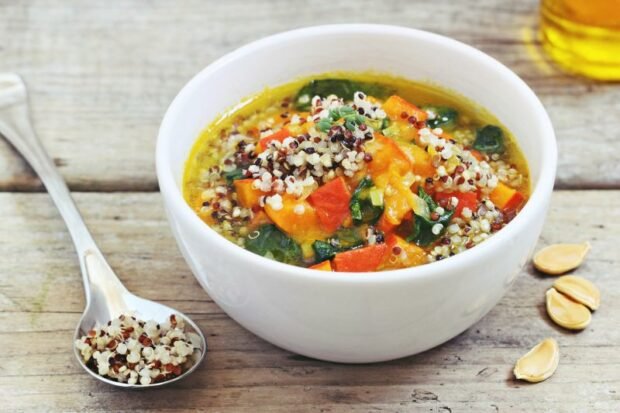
[583, 36]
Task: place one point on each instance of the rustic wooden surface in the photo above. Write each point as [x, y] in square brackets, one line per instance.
[101, 75]
[41, 300]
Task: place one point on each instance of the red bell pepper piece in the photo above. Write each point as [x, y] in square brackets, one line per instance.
[277, 136]
[364, 259]
[331, 202]
[466, 199]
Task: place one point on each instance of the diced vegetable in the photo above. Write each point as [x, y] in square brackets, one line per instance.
[515, 203]
[331, 202]
[425, 229]
[360, 260]
[386, 155]
[489, 139]
[277, 136]
[376, 196]
[466, 200]
[322, 266]
[247, 196]
[345, 239]
[401, 201]
[421, 161]
[272, 243]
[259, 218]
[384, 225]
[361, 207]
[506, 198]
[323, 250]
[343, 88]
[402, 254]
[445, 117]
[396, 207]
[398, 108]
[296, 218]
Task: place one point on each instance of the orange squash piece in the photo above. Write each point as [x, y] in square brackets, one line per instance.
[421, 161]
[398, 108]
[364, 259]
[259, 219]
[322, 266]
[301, 226]
[247, 196]
[396, 207]
[506, 198]
[386, 155]
[402, 254]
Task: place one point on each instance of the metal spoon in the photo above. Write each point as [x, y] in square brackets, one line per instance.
[106, 297]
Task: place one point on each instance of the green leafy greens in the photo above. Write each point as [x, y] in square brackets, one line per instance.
[362, 207]
[345, 239]
[489, 139]
[273, 243]
[445, 117]
[342, 88]
[422, 233]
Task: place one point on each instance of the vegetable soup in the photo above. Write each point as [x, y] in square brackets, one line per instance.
[356, 172]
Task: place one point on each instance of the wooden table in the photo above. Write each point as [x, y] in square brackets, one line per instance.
[101, 75]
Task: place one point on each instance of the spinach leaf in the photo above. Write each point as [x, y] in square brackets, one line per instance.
[344, 240]
[343, 88]
[323, 251]
[422, 233]
[432, 205]
[489, 139]
[233, 175]
[445, 117]
[273, 243]
[361, 206]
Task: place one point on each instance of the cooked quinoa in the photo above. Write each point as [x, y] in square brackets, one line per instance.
[356, 181]
[133, 351]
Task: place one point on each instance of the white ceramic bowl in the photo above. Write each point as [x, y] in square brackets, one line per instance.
[356, 317]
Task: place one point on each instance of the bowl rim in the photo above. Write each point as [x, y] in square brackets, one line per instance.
[537, 203]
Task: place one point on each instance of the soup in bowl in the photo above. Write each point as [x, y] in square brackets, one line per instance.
[343, 173]
[356, 209]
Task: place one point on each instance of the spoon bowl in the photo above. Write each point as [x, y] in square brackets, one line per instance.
[106, 297]
[109, 299]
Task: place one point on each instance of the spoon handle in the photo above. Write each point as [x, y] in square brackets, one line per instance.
[15, 126]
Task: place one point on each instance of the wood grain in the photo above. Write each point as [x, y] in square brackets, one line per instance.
[101, 75]
[41, 300]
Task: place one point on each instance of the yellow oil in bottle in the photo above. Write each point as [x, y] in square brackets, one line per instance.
[583, 36]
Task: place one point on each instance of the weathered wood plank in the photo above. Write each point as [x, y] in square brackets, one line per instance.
[102, 74]
[41, 300]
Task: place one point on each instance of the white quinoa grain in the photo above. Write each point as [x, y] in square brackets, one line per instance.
[436, 229]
